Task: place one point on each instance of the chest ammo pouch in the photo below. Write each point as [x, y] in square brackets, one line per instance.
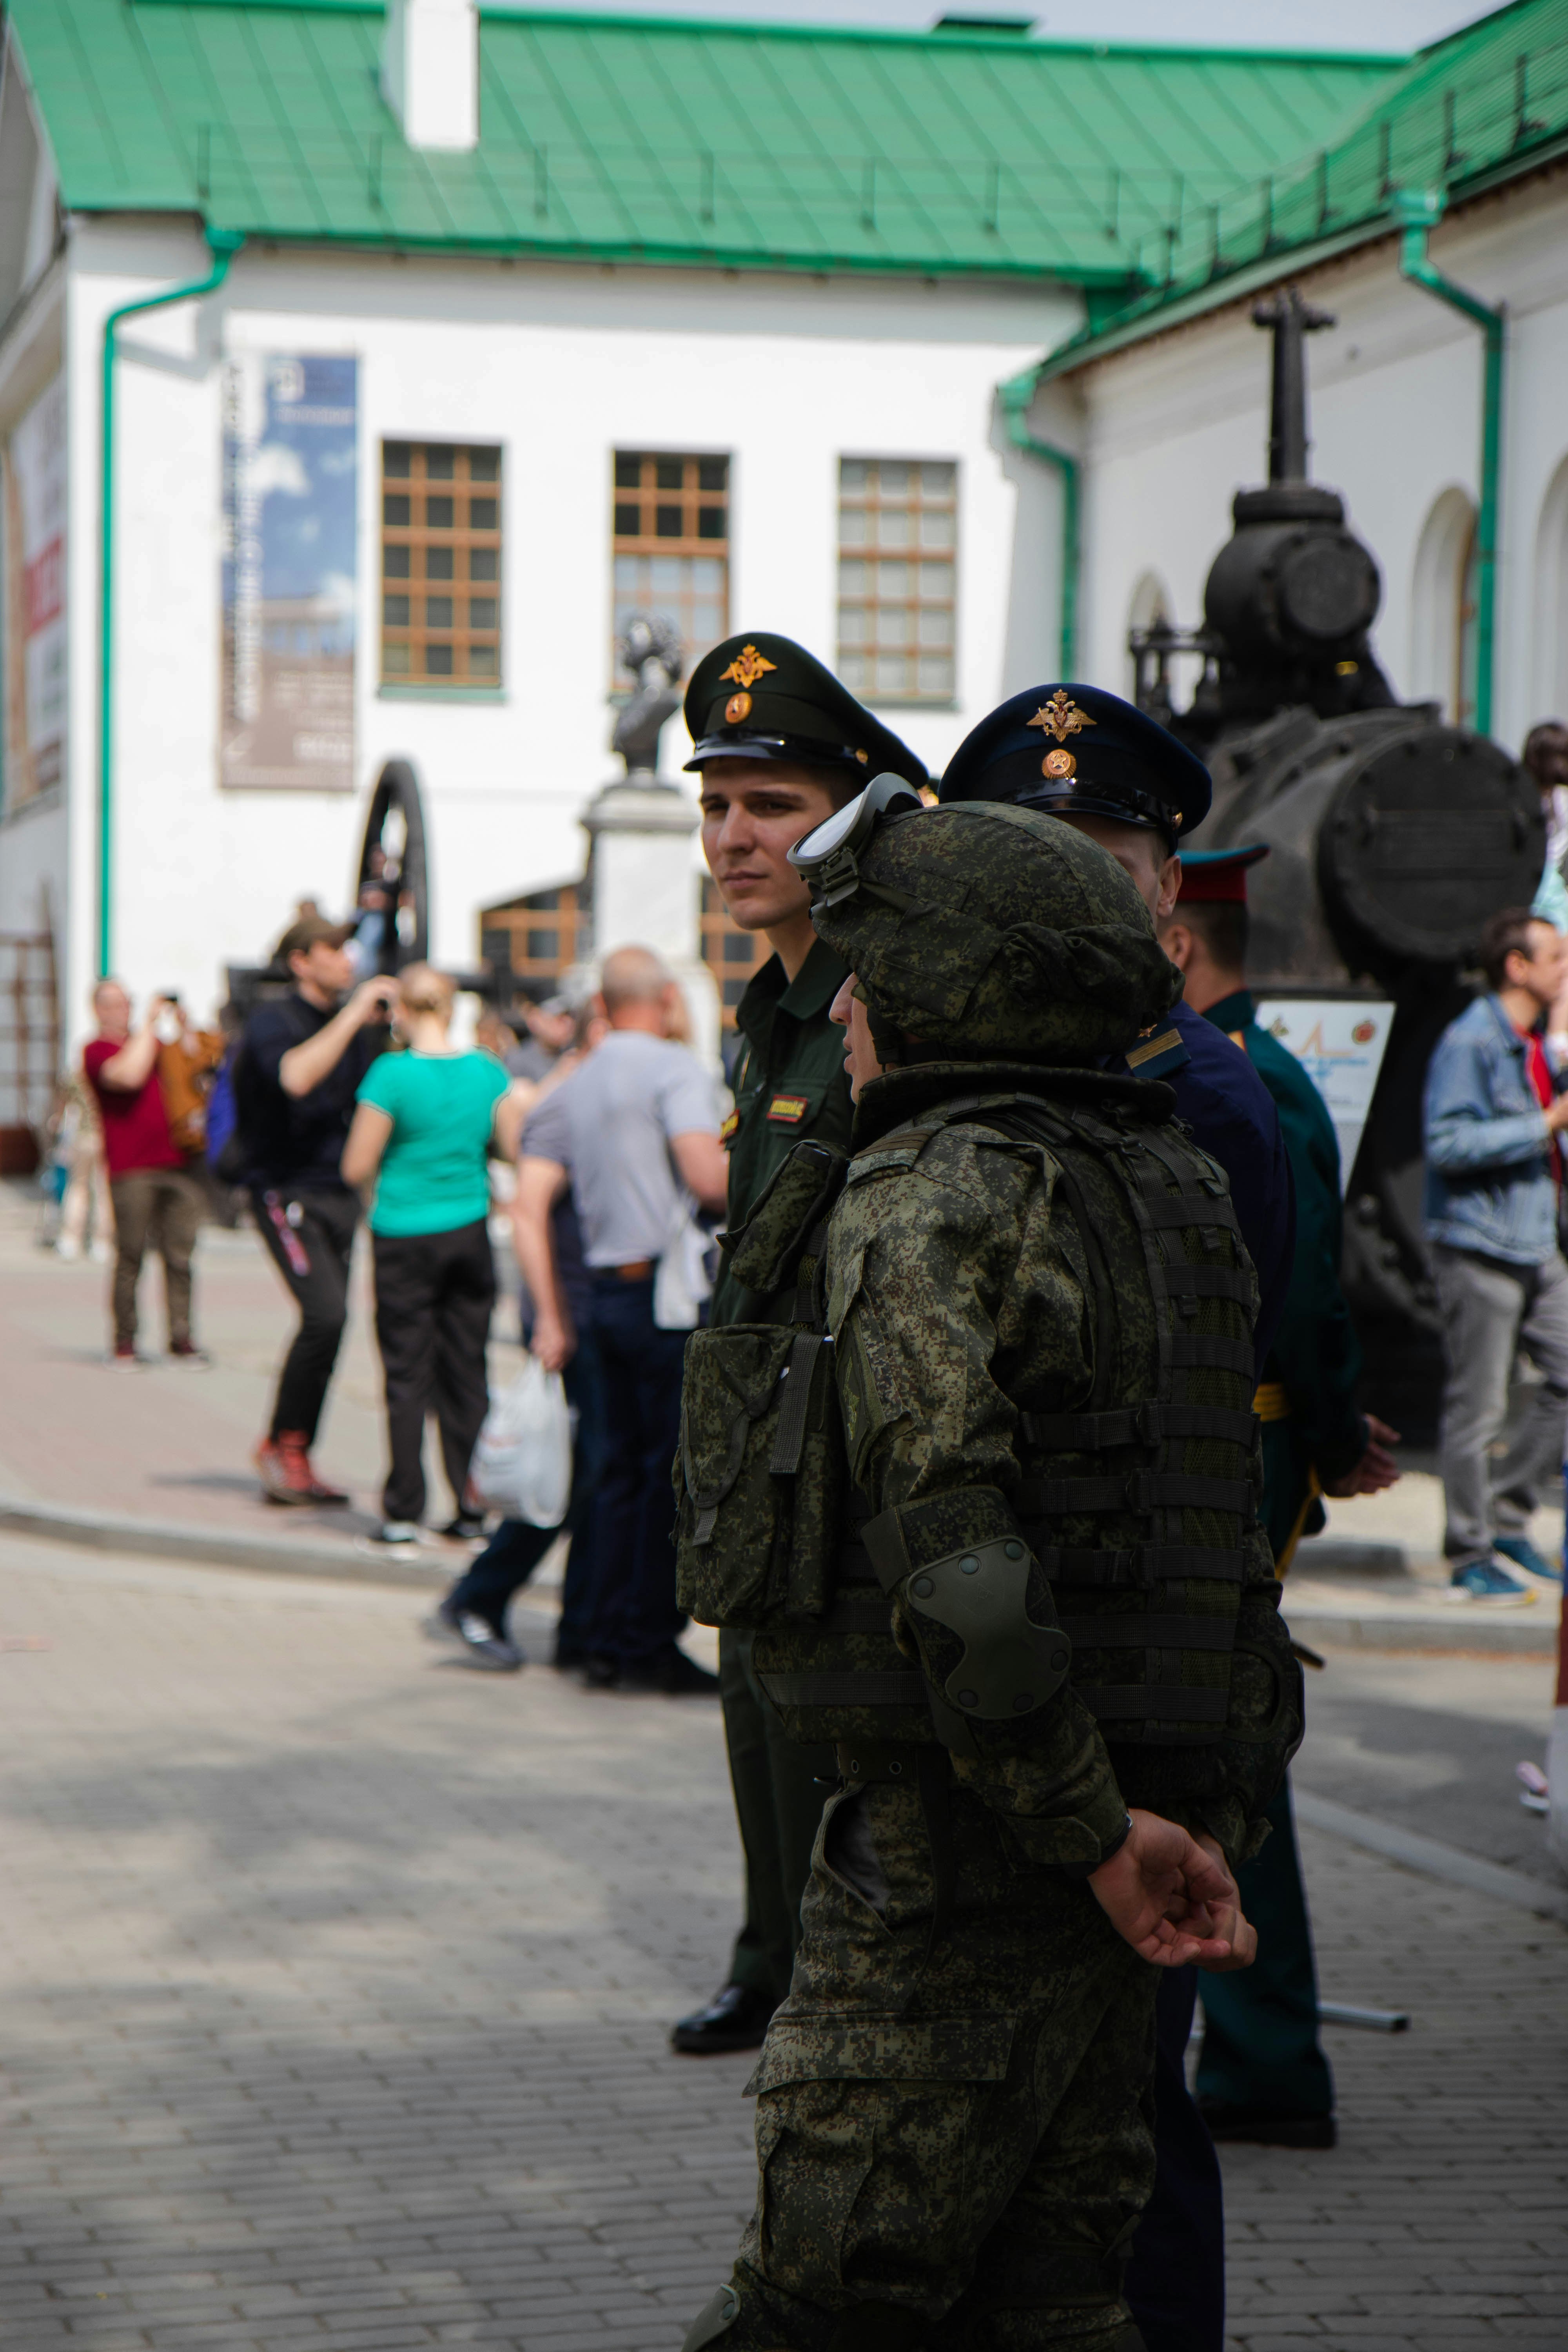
[1139, 1510]
[761, 1483]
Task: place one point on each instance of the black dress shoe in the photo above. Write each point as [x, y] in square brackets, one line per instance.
[1226, 2121]
[735, 2019]
[599, 1674]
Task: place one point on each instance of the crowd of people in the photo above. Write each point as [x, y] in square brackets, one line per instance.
[1033, 1233]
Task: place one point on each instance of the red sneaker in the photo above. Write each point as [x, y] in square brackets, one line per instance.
[282, 1481]
[299, 1470]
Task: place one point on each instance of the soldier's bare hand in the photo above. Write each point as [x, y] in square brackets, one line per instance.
[1157, 1891]
[1227, 1919]
[1377, 1467]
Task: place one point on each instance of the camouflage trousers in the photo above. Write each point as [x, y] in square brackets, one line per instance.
[954, 2135]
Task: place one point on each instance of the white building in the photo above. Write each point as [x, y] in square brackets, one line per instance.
[515, 322]
[539, 322]
[1167, 405]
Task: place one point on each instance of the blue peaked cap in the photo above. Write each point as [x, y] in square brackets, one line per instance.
[1077, 750]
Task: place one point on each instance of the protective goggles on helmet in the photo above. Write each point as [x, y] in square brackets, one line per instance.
[827, 858]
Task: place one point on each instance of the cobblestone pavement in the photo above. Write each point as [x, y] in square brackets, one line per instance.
[335, 1983]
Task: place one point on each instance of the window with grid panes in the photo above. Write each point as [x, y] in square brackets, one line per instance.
[538, 937]
[897, 546]
[672, 546]
[440, 565]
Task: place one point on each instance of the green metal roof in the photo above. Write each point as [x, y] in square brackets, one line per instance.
[639, 139]
[1484, 106]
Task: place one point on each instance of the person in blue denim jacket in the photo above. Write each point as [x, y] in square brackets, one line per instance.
[1494, 1111]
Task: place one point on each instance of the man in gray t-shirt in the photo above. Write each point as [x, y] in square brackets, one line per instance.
[633, 1130]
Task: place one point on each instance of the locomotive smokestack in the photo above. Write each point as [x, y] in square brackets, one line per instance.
[1290, 599]
[1290, 319]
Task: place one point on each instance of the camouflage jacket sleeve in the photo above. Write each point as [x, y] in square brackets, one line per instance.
[952, 1289]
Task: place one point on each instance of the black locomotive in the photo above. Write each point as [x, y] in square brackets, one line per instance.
[1393, 835]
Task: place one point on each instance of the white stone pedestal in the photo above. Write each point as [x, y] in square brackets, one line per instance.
[646, 891]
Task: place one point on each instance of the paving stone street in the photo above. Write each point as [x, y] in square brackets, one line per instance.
[336, 1980]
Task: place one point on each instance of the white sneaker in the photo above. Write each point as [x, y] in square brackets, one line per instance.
[393, 1535]
[68, 1248]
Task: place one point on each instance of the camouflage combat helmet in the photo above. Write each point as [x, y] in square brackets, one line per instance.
[988, 932]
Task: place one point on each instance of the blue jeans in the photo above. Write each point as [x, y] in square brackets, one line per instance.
[517, 1546]
[635, 1618]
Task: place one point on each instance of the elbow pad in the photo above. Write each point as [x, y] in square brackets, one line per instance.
[1010, 1664]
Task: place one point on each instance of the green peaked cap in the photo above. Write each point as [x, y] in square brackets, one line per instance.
[761, 696]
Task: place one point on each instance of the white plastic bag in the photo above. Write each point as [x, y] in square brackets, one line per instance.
[522, 1463]
[684, 1278]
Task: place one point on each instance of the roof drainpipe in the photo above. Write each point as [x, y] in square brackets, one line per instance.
[1015, 395]
[222, 245]
[1417, 212]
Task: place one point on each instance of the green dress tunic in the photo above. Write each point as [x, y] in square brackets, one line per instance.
[789, 1083]
[1315, 1360]
[1262, 2052]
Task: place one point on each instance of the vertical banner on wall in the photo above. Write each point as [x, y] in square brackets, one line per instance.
[289, 565]
[32, 522]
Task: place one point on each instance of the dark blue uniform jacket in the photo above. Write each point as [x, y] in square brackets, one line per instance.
[1233, 1117]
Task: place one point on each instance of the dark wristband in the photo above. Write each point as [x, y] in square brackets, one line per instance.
[1087, 1869]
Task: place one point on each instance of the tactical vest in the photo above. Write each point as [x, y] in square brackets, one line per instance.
[1140, 1509]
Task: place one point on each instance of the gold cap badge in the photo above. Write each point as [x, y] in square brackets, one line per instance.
[748, 666]
[739, 707]
[1060, 717]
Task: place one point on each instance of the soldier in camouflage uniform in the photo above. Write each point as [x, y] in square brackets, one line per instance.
[1041, 1316]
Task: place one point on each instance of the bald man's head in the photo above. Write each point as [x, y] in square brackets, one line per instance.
[632, 976]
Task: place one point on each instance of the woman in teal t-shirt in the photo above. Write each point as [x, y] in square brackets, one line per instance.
[421, 1133]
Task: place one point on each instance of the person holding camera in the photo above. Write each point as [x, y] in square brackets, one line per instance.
[158, 1199]
[296, 1076]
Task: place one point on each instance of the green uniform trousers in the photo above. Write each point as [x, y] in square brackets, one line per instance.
[1260, 2044]
[779, 1788]
[954, 2134]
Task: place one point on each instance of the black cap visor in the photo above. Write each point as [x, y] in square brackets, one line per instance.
[1122, 796]
[802, 750]
[1122, 808]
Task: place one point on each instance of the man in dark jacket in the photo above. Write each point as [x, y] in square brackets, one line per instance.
[300, 1064]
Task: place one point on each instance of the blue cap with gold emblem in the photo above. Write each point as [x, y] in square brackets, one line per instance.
[1076, 750]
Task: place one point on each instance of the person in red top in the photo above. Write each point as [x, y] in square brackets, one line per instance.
[157, 1199]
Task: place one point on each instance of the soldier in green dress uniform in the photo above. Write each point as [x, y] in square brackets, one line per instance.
[1263, 2075]
[779, 745]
